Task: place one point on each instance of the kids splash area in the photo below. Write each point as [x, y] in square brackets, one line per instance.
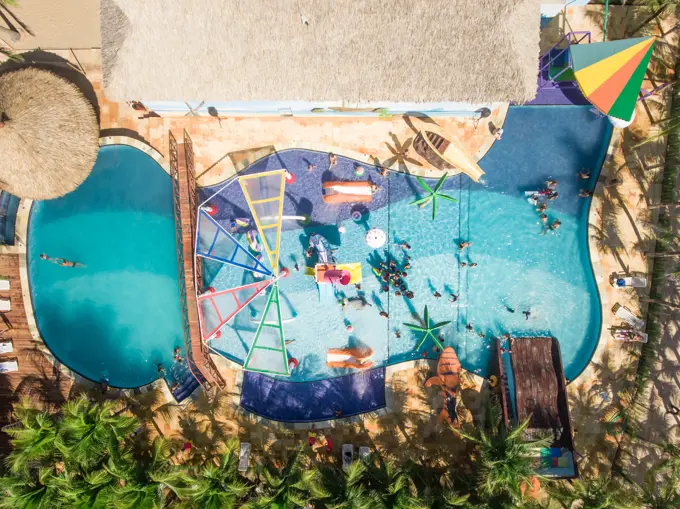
[320, 271]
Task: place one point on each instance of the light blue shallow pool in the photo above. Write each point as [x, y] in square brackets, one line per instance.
[519, 268]
[118, 317]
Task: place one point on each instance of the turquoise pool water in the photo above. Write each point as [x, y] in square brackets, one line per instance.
[519, 268]
[118, 317]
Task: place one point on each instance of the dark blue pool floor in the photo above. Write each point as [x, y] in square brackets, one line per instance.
[534, 136]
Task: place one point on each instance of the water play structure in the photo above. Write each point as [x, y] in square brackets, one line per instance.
[350, 357]
[264, 194]
[348, 192]
[445, 152]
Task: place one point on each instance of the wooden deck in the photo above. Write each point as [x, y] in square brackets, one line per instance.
[536, 385]
[198, 350]
[37, 377]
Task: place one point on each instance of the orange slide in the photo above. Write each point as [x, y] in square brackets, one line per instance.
[355, 358]
[348, 192]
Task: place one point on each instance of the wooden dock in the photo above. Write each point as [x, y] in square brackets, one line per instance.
[37, 378]
[199, 351]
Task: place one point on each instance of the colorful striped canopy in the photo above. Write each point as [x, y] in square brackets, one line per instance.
[610, 74]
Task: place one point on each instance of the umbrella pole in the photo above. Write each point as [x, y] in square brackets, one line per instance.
[606, 16]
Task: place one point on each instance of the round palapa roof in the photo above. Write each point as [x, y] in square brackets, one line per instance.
[49, 135]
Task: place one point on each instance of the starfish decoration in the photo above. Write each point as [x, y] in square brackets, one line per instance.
[427, 330]
[433, 195]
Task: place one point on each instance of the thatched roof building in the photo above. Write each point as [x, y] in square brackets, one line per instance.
[49, 135]
[476, 51]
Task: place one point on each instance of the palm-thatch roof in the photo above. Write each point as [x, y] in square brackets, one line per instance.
[48, 135]
[475, 51]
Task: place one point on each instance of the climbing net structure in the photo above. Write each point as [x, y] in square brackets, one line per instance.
[238, 244]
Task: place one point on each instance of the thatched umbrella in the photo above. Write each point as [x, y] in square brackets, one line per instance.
[48, 135]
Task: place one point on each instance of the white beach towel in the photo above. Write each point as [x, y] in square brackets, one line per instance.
[6, 346]
[4, 285]
[627, 316]
[5, 305]
[244, 457]
[347, 455]
[9, 366]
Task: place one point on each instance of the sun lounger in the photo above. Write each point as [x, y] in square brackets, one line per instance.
[629, 335]
[6, 346]
[244, 457]
[5, 305]
[629, 282]
[347, 455]
[364, 452]
[627, 316]
[9, 365]
[4, 285]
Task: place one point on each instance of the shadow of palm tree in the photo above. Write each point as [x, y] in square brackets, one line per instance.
[400, 154]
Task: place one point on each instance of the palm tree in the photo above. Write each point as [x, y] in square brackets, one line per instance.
[432, 195]
[87, 431]
[11, 32]
[33, 441]
[41, 489]
[393, 487]
[152, 481]
[347, 489]
[504, 459]
[292, 486]
[220, 486]
[593, 493]
[427, 329]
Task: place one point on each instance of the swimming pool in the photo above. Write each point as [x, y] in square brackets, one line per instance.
[519, 268]
[118, 317]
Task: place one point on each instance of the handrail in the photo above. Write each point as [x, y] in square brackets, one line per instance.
[174, 174]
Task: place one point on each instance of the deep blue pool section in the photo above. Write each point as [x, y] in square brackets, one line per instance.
[320, 400]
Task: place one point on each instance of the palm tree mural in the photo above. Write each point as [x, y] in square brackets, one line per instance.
[432, 195]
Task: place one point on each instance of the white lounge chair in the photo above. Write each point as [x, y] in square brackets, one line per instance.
[4, 285]
[629, 282]
[9, 366]
[364, 452]
[244, 457]
[627, 316]
[5, 305]
[6, 346]
[347, 455]
[629, 335]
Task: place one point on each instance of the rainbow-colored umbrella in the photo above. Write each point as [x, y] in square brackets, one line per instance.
[610, 74]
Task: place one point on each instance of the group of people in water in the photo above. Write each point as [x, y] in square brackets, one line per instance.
[539, 200]
[390, 274]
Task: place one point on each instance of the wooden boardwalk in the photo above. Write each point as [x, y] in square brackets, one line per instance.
[37, 377]
[198, 350]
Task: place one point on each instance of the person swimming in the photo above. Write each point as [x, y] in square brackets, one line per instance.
[526, 314]
[437, 295]
[453, 297]
[463, 245]
[555, 225]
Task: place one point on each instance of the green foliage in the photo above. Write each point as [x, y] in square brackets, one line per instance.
[432, 195]
[593, 493]
[505, 459]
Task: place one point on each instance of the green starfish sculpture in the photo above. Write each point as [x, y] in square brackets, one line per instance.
[433, 195]
[427, 329]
